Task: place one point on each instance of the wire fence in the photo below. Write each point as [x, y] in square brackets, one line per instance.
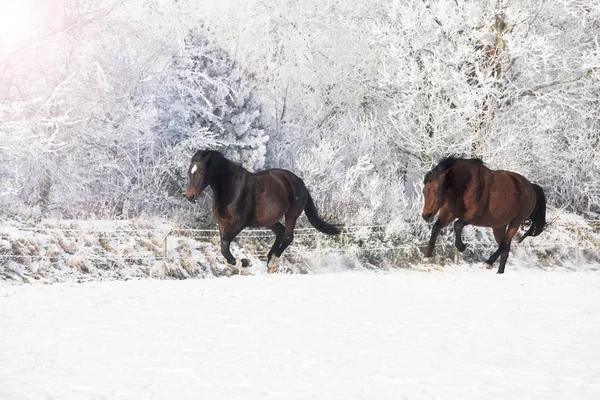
[162, 243]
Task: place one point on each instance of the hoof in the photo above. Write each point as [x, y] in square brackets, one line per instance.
[461, 247]
[272, 264]
[499, 272]
[272, 261]
[244, 263]
[487, 266]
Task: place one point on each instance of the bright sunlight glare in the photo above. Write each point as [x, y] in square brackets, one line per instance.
[18, 20]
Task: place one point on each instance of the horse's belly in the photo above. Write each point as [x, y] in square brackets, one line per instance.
[266, 215]
[491, 221]
[498, 215]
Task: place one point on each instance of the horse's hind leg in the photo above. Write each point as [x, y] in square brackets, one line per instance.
[500, 236]
[510, 233]
[279, 231]
[503, 259]
[288, 236]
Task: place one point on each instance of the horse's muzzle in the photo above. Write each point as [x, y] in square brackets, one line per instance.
[428, 217]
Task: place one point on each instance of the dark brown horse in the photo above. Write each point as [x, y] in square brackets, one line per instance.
[467, 191]
[243, 199]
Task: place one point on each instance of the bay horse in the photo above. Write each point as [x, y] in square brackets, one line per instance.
[261, 199]
[467, 191]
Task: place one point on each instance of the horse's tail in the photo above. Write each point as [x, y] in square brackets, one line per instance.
[538, 216]
[318, 223]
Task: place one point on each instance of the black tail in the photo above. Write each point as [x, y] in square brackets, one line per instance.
[538, 216]
[318, 223]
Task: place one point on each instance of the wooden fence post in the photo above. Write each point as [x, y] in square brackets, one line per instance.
[165, 253]
[320, 255]
[577, 246]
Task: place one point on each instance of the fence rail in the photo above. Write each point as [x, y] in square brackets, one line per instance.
[161, 253]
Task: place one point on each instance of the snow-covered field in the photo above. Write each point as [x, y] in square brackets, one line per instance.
[459, 334]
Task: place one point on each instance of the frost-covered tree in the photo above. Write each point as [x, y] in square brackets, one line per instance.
[359, 99]
[117, 101]
[206, 104]
[476, 82]
[367, 96]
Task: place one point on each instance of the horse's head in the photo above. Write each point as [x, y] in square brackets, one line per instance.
[434, 192]
[199, 174]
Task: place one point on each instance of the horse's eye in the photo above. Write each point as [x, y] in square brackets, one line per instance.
[437, 192]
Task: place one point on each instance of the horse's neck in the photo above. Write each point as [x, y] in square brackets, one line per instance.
[469, 182]
[226, 181]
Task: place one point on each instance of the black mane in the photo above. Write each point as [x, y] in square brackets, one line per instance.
[200, 154]
[446, 163]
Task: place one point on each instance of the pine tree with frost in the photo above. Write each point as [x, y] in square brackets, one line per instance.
[207, 105]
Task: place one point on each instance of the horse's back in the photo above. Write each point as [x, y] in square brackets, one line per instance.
[274, 179]
[492, 197]
[277, 172]
[511, 195]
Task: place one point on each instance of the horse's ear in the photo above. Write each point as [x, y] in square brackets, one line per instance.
[208, 157]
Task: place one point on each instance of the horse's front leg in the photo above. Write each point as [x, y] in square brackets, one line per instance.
[458, 227]
[228, 233]
[513, 227]
[444, 218]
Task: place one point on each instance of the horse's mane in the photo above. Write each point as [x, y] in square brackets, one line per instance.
[446, 163]
[200, 154]
[219, 163]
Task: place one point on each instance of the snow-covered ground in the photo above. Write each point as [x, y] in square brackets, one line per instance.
[459, 334]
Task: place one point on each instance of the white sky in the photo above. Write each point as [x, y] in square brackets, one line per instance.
[20, 19]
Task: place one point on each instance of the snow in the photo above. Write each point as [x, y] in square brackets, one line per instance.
[459, 334]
